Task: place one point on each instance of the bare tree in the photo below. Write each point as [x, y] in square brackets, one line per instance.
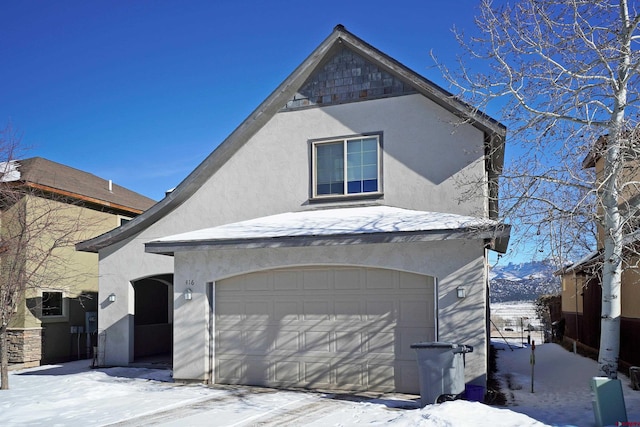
[38, 231]
[564, 74]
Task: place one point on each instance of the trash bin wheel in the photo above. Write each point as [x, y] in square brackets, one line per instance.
[446, 398]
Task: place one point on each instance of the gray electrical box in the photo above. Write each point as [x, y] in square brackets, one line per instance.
[91, 322]
[608, 402]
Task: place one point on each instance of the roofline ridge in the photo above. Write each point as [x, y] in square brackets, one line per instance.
[264, 112]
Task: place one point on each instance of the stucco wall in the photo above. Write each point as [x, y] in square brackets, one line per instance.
[453, 263]
[426, 157]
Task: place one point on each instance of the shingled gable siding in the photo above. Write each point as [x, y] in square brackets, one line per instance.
[347, 77]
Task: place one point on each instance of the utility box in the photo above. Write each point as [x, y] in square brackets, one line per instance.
[608, 402]
[440, 369]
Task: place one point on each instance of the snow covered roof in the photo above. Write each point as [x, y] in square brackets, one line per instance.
[373, 224]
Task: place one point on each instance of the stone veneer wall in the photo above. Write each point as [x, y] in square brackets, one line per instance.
[25, 346]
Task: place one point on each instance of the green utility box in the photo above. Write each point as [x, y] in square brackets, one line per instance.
[608, 402]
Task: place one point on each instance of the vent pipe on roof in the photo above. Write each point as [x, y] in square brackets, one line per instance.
[110, 186]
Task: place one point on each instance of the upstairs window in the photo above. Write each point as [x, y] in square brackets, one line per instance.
[348, 166]
[52, 304]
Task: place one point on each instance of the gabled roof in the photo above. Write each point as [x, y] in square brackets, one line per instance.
[355, 225]
[280, 98]
[66, 181]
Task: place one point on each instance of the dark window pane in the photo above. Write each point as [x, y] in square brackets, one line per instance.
[370, 185]
[52, 303]
[337, 188]
[330, 168]
[354, 187]
[323, 189]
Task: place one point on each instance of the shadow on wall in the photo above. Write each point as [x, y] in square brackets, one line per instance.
[69, 325]
[462, 316]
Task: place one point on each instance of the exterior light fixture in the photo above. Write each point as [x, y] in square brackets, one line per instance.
[461, 292]
[112, 297]
[188, 294]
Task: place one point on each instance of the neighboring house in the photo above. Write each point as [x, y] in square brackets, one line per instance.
[581, 282]
[59, 322]
[321, 239]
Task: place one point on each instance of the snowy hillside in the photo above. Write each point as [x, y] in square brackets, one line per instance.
[523, 282]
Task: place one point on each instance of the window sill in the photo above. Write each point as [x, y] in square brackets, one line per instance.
[347, 198]
[54, 319]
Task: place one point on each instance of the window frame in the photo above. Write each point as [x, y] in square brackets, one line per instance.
[63, 306]
[313, 169]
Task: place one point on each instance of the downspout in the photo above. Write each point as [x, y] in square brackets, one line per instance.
[575, 286]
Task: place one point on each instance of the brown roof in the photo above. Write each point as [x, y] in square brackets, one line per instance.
[68, 181]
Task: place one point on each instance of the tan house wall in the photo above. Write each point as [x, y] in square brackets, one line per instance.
[69, 271]
[630, 293]
[631, 178]
[572, 285]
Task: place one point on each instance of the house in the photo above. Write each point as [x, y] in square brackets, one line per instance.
[581, 282]
[57, 319]
[321, 239]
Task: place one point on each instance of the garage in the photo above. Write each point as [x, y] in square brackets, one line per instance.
[333, 328]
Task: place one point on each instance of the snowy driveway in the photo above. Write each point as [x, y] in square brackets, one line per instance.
[72, 394]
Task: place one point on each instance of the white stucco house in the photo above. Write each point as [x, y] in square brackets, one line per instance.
[323, 237]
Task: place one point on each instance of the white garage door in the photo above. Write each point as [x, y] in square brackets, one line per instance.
[331, 328]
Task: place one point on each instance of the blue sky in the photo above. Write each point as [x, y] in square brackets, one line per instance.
[140, 92]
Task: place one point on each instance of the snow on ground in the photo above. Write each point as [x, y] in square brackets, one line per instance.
[72, 394]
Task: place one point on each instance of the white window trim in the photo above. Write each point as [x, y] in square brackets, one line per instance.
[345, 194]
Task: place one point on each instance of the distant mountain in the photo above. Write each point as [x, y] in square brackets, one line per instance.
[523, 282]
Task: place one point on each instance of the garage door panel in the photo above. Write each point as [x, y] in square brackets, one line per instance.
[259, 282]
[380, 279]
[316, 279]
[335, 328]
[231, 310]
[257, 311]
[229, 341]
[318, 341]
[414, 281]
[348, 279]
[347, 310]
[317, 374]
[349, 342]
[286, 281]
[380, 377]
[350, 376]
[381, 342]
[286, 310]
[229, 370]
[257, 341]
[409, 336]
[380, 309]
[288, 372]
[288, 341]
[415, 311]
[316, 310]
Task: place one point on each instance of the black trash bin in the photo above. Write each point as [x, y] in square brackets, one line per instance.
[440, 369]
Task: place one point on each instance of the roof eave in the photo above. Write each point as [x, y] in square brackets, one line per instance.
[169, 248]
